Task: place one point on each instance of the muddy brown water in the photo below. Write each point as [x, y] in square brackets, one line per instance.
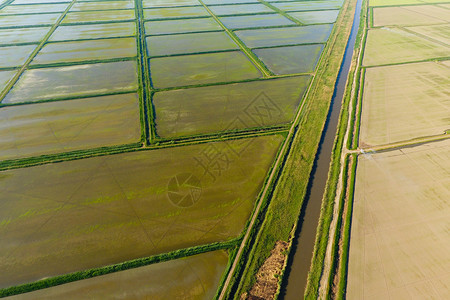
[299, 261]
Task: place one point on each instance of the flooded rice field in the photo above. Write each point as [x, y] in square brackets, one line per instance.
[95, 97]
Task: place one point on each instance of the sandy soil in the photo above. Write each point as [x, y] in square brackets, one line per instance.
[404, 102]
[399, 245]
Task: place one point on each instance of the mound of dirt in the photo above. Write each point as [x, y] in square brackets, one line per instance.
[267, 277]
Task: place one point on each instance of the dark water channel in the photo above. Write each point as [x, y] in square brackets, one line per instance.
[299, 262]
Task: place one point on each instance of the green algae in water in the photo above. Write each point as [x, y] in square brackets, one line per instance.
[189, 43]
[29, 20]
[80, 80]
[106, 5]
[86, 50]
[291, 59]
[181, 26]
[72, 232]
[228, 107]
[241, 22]
[174, 13]
[22, 35]
[95, 16]
[54, 127]
[15, 56]
[285, 36]
[241, 9]
[166, 280]
[201, 69]
[93, 31]
[315, 17]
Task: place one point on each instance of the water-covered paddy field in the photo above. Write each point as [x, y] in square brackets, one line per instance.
[134, 128]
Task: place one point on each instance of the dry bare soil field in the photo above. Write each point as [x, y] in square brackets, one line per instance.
[399, 245]
[136, 136]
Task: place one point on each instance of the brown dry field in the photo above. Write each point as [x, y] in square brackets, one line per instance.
[405, 102]
[410, 15]
[400, 242]
[194, 277]
[395, 45]
[440, 33]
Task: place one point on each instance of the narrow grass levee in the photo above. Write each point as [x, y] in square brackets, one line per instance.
[343, 262]
[136, 263]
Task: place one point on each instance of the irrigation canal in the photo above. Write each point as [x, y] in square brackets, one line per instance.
[303, 245]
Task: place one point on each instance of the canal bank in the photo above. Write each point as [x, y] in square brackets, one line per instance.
[299, 261]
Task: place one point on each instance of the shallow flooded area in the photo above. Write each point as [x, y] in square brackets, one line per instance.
[81, 80]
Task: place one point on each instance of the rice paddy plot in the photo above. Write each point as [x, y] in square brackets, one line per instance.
[64, 52]
[5, 77]
[75, 215]
[394, 45]
[290, 59]
[194, 277]
[316, 17]
[439, 13]
[181, 26]
[393, 2]
[95, 16]
[439, 33]
[201, 69]
[22, 35]
[38, 1]
[399, 241]
[105, 5]
[175, 13]
[240, 9]
[242, 22]
[221, 2]
[29, 20]
[410, 15]
[285, 36]
[168, 3]
[33, 9]
[74, 81]
[15, 56]
[189, 43]
[54, 127]
[220, 108]
[405, 102]
[308, 5]
[93, 31]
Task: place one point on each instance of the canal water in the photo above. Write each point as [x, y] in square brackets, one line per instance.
[294, 284]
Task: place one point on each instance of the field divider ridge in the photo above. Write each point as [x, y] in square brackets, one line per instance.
[253, 58]
[145, 95]
[52, 29]
[281, 12]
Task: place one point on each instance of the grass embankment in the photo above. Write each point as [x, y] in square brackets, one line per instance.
[140, 262]
[327, 209]
[284, 209]
[343, 262]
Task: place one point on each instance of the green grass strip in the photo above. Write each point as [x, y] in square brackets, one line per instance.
[342, 285]
[281, 12]
[337, 233]
[252, 57]
[145, 92]
[285, 206]
[131, 264]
